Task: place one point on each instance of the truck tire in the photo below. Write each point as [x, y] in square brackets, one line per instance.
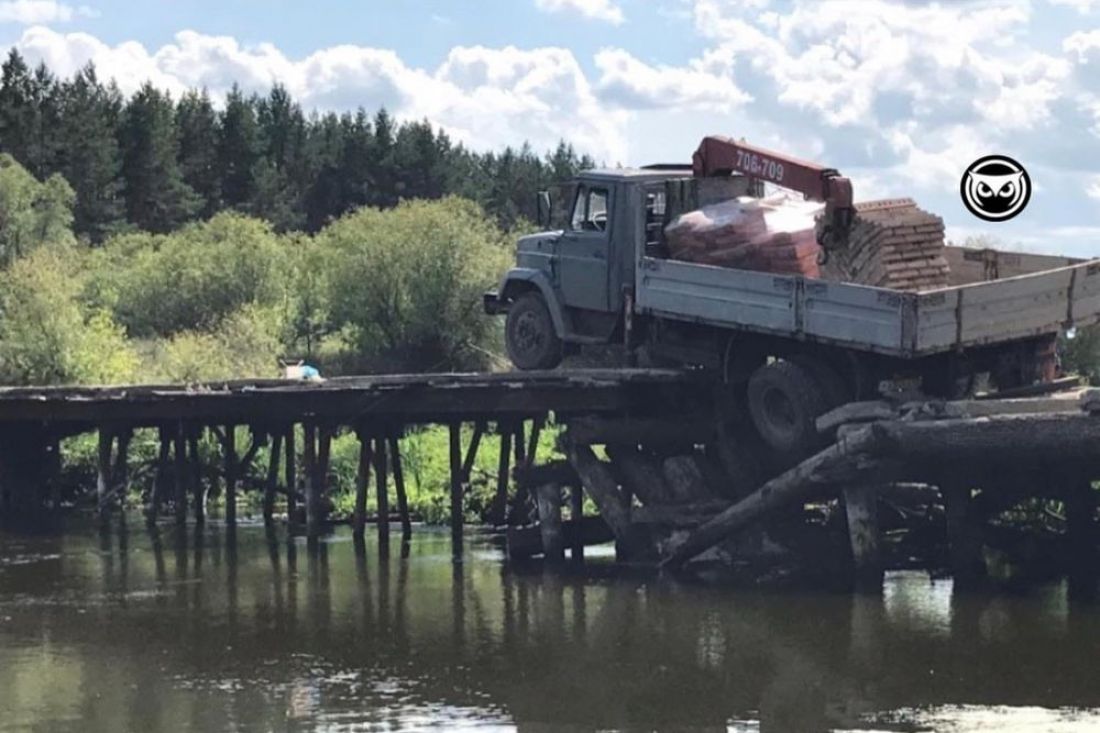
[529, 334]
[785, 400]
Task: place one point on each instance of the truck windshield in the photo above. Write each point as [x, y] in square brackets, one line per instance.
[590, 210]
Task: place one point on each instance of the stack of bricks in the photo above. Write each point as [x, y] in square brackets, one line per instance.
[892, 244]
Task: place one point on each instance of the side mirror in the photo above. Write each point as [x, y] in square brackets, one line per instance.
[544, 207]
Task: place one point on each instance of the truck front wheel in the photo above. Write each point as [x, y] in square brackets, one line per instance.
[785, 400]
[529, 334]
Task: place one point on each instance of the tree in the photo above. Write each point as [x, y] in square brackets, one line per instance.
[22, 94]
[199, 135]
[32, 214]
[238, 150]
[88, 155]
[157, 199]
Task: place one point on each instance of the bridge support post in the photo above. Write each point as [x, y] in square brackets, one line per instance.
[24, 463]
[456, 488]
[500, 503]
[576, 509]
[194, 474]
[291, 477]
[231, 468]
[103, 471]
[399, 486]
[179, 473]
[861, 506]
[1080, 505]
[362, 482]
[381, 483]
[963, 533]
[309, 458]
[271, 483]
[549, 503]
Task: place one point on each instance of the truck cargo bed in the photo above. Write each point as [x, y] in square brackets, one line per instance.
[896, 323]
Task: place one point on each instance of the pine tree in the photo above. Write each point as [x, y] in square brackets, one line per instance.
[157, 199]
[87, 153]
[238, 150]
[281, 175]
[197, 124]
[18, 116]
[384, 190]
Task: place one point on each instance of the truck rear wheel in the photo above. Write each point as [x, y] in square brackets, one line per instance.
[785, 399]
[529, 334]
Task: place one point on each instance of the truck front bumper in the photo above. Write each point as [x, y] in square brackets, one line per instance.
[492, 303]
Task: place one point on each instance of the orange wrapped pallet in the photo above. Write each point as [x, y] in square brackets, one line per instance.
[774, 234]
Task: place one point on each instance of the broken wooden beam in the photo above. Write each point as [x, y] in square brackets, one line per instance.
[527, 541]
[632, 541]
[861, 509]
[399, 487]
[846, 459]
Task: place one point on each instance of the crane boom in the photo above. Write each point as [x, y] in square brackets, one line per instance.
[721, 156]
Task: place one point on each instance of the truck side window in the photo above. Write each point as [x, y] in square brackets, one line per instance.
[580, 204]
[590, 210]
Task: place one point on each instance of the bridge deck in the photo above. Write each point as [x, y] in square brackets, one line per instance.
[413, 398]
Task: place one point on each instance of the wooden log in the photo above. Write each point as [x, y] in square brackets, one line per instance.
[362, 483]
[684, 479]
[456, 487]
[964, 533]
[533, 441]
[324, 455]
[632, 541]
[856, 412]
[861, 508]
[548, 497]
[399, 487]
[291, 477]
[271, 484]
[500, 502]
[230, 467]
[179, 474]
[103, 472]
[632, 431]
[382, 488]
[471, 450]
[844, 460]
[525, 542]
[678, 515]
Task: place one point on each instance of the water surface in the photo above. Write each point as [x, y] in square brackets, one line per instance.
[184, 631]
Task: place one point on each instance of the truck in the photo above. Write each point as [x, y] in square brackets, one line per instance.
[788, 346]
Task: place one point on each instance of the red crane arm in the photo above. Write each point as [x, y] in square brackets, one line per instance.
[721, 156]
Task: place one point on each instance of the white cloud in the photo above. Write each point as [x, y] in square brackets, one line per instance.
[632, 84]
[31, 12]
[484, 97]
[1081, 6]
[1093, 189]
[606, 10]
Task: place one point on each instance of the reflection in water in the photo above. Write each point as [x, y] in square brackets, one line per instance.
[191, 628]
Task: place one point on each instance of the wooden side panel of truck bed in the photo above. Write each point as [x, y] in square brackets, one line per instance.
[869, 318]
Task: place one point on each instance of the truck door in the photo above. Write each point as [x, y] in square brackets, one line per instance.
[585, 248]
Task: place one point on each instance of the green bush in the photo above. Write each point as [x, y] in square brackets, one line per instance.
[406, 283]
[31, 213]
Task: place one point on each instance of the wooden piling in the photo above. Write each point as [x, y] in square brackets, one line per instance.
[381, 483]
[861, 507]
[309, 459]
[1081, 526]
[471, 450]
[198, 496]
[456, 487]
[271, 484]
[500, 503]
[179, 473]
[103, 472]
[963, 533]
[231, 467]
[362, 482]
[291, 477]
[324, 455]
[160, 477]
[576, 498]
[549, 503]
[399, 487]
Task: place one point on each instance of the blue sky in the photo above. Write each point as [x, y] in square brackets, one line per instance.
[899, 94]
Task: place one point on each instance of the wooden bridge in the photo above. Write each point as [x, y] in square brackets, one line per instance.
[678, 476]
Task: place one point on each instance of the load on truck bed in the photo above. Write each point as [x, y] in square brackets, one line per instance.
[787, 346]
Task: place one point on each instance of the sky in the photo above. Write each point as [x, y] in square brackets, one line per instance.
[900, 95]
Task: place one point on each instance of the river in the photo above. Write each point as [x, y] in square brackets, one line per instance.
[135, 631]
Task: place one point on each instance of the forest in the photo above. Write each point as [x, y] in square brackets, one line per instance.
[146, 239]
